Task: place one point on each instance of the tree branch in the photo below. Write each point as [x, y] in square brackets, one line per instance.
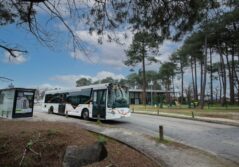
[77, 42]
[12, 51]
[34, 1]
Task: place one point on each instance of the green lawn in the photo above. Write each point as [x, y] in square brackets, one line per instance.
[216, 111]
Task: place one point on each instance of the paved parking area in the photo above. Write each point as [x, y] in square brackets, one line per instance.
[173, 154]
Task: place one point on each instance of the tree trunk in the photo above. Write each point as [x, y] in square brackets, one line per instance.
[144, 80]
[169, 94]
[234, 68]
[220, 83]
[201, 78]
[204, 75]
[211, 84]
[195, 72]
[233, 75]
[224, 80]
[223, 76]
[181, 70]
[236, 83]
[173, 88]
[194, 94]
[231, 84]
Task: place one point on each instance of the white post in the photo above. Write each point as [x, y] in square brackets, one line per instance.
[151, 84]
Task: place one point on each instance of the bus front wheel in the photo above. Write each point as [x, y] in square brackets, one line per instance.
[85, 114]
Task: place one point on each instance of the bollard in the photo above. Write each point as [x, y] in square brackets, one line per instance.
[192, 114]
[66, 114]
[161, 133]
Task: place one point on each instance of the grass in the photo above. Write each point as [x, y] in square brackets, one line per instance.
[164, 141]
[98, 122]
[231, 112]
[214, 107]
[102, 139]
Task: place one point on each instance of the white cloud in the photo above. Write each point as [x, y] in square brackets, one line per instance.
[48, 86]
[70, 80]
[109, 53]
[167, 49]
[19, 59]
[104, 74]
[67, 80]
[113, 54]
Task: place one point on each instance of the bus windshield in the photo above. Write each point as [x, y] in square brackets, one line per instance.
[118, 97]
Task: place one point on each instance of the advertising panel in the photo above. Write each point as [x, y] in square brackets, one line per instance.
[24, 102]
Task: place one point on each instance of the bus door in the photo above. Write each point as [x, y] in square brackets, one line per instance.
[61, 108]
[62, 105]
[99, 103]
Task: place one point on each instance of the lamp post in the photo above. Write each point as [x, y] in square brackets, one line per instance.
[151, 84]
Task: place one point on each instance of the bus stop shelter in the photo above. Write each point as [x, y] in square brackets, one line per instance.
[16, 102]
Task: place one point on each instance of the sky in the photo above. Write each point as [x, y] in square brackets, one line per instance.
[58, 66]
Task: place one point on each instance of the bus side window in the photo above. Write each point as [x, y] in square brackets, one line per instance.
[48, 98]
[56, 100]
[103, 97]
[95, 97]
[84, 99]
[1, 97]
[74, 100]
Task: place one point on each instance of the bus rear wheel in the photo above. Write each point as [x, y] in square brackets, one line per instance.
[85, 114]
[50, 110]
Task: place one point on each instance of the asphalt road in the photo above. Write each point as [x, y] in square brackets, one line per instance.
[222, 140]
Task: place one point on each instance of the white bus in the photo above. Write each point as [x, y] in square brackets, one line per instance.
[101, 101]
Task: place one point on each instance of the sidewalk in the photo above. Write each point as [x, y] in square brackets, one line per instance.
[166, 155]
[197, 118]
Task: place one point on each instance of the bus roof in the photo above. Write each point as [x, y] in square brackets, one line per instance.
[95, 87]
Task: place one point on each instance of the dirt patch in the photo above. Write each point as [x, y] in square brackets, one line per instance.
[49, 140]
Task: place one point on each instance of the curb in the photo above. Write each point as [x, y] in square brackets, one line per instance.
[162, 156]
[159, 162]
[193, 119]
[101, 131]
